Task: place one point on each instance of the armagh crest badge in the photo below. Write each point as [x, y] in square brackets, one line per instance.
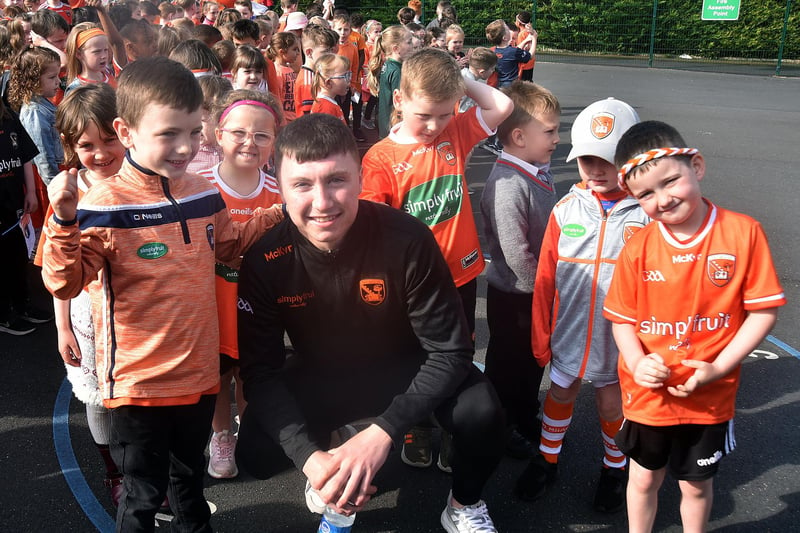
[602, 125]
[373, 291]
[629, 229]
[720, 268]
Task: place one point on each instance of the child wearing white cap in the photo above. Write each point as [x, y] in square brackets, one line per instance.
[585, 233]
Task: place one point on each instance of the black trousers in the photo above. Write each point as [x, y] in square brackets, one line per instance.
[13, 272]
[472, 415]
[510, 364]
[344, 103]
[160, 451]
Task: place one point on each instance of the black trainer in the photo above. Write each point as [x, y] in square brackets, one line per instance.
[15, 326]
[519, 447]
[534, 481]
[35, 316]
[610, 495]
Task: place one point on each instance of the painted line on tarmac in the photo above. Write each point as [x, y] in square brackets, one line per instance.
[783, 346]
[69, 464]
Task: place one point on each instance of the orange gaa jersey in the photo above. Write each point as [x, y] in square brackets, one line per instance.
[226, 280]
[303, 100]
[324, 104]
[687, 300]
[427, 181]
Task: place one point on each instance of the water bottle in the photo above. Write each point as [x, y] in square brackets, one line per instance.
[333, 522]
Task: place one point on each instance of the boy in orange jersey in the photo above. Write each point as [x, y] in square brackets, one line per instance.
[349, 49]
[419, 168]
[692, 295]
[585, 234]
[316, 41]
[155, 232]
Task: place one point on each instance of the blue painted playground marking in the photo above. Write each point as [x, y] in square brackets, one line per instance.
[83, 493]
[783, 346]
[69, 464]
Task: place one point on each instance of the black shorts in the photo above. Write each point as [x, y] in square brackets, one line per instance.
[692, 451]
[226, 362]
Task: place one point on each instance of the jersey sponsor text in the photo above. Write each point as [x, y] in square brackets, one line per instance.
[679, 328]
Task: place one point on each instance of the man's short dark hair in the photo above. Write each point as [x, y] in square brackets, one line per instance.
[314, 137]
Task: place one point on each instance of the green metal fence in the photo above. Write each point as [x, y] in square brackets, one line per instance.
[656, 33]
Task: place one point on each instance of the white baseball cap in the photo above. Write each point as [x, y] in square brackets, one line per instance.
[598, 128]
[296, 21]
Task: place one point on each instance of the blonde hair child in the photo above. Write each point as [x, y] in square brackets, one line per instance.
[284, 51]
[95, 52]
[391, 48]
[331, 79]
[247, 124]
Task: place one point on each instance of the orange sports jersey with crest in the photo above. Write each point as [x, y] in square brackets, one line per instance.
[227, 278]
[687, 300]
[323, 104]
[427, 181]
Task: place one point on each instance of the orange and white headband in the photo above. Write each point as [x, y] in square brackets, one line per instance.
[85, 35]
[647, 156]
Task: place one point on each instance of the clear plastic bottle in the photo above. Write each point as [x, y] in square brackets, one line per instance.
[333, 522]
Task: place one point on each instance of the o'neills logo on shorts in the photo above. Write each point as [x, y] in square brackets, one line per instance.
[296, 300]
[435, 201]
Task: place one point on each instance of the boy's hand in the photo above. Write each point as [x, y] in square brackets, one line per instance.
[704, 373]
[650, 371]
[274, 213]
[31, 202]
[63, 193]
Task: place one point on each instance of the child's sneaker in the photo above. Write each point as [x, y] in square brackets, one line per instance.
[35, 316]
[368, 123]
[221, 462]
[518, 447]
[359, 135]
[16, 326]
[533, 482]
[610, 495]
[469, 519]
[417, 447]
[445, 453]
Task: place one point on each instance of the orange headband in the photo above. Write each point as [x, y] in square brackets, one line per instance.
[85, 35]
[650, 155]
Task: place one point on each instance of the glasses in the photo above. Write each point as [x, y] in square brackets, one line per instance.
[260, 138]
[346, 76]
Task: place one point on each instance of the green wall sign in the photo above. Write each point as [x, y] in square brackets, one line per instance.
[721, 9]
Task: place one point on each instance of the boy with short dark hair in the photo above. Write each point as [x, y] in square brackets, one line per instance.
[693, 294]
[155, 232]
[349, 49]
[515, 205]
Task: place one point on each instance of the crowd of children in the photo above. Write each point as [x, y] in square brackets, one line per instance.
[186, 143]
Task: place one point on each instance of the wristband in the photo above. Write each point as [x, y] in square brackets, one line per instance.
[65, 222]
